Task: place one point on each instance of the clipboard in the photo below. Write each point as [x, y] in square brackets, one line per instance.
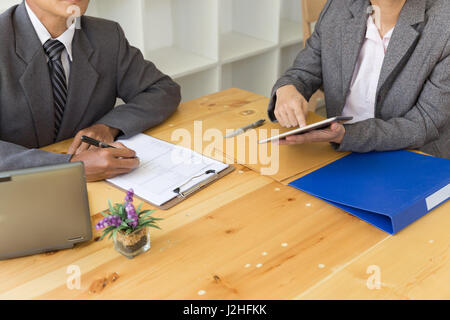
[194, 189]
[168, 174]
[185, 194]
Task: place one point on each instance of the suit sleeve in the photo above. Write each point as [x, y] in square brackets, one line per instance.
[15, 157]
[306, 73]
[416, 128]
[150, 96]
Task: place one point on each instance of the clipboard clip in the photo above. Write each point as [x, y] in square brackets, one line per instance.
[198, 186]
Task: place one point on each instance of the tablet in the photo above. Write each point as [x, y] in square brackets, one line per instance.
[315, 126]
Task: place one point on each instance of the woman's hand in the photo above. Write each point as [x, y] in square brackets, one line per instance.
[335, 133]
[291, 107]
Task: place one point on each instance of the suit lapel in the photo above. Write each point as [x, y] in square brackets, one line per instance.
[82, 82]
[353, 35]
[35, 80]
[403, 39]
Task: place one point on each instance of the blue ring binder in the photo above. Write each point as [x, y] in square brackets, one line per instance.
[389, 190]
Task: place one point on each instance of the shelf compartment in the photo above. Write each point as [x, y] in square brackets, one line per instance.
[256, 74]
[290, 32]
[291, 28]
[131, 22]
[181, 37]
[176, 62]
[199, 84]
[247, 28]
[236, 46]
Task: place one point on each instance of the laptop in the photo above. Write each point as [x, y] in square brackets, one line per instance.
[43, 209]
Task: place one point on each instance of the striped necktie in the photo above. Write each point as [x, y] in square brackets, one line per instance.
[53, 49]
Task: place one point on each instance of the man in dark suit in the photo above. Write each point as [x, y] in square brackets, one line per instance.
[57, 82]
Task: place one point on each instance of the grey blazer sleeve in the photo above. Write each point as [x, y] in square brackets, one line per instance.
[150, 96]
[15, 157]
[416, 128]
[306, 73]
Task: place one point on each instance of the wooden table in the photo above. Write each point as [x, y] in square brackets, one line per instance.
[244, 237]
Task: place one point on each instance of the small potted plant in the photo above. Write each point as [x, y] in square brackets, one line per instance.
[128, 226]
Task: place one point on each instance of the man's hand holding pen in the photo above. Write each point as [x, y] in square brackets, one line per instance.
[98, 132]
[102, 159]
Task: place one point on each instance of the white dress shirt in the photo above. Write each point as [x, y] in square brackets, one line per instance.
[66, 39]
[360, 102]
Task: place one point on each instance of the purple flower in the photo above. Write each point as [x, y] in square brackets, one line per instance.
[129, 196]
[131, 214]
[111, 220]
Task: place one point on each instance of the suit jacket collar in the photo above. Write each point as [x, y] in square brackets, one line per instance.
[35, 80]
[401, 45]
[27, 41]
[358, 7]
[412, 13]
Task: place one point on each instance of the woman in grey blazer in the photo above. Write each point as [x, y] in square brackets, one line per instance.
[385, 62]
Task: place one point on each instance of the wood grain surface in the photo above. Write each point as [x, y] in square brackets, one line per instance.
[246, 236]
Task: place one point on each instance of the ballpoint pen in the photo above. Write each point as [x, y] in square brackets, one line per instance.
[237, 132]
[99, 144]
[95, 143]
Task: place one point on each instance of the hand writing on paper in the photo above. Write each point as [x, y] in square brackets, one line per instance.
[99, 132]
[291, 107]
[335, 133]
[100, 164]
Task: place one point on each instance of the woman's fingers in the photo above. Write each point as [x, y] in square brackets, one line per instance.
[292, 118]
[300, 115]
[325, 135]
[280, 114]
